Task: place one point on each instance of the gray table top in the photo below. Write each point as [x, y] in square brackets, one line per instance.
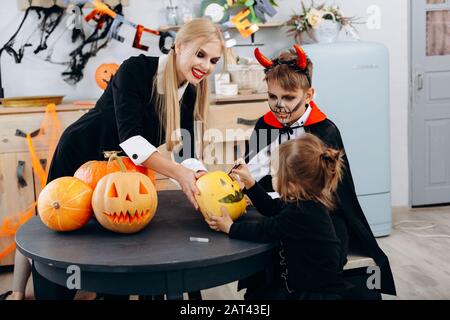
[162, 246]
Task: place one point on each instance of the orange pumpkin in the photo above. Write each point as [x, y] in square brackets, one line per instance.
[124, 202]
[65, 204]
[92, 171]
[104, 73]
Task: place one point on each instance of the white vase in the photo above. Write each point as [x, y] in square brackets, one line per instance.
[327, 31]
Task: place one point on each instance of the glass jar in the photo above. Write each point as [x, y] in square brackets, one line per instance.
[186, 12]
[172, 15]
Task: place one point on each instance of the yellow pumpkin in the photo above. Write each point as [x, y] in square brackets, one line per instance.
[124, 202]
[65, 204]
[217, 189]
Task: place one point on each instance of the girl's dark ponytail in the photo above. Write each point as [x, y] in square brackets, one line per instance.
[333, 166]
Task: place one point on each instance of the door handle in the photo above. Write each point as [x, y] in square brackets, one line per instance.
[21, 182]
[246, 122]
[419, 82]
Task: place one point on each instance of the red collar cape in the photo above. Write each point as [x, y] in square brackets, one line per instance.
[315, 116]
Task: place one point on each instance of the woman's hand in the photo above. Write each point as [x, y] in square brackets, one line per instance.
[187, 181]
[185, 177]
[222, 223]
[243, 174]
[200, 173]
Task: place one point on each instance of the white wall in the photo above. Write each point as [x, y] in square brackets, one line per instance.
[36, 77]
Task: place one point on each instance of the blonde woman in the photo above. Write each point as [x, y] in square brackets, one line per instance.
[147, 101]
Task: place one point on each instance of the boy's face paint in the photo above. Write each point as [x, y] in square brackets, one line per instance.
[288, 106]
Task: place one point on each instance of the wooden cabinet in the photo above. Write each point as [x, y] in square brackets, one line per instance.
[230, 124]
[19, 186]
[16, 191]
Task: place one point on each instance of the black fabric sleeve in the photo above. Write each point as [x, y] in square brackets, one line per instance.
[263, 202]
[128, 101]
[266, 230]
[288, 223]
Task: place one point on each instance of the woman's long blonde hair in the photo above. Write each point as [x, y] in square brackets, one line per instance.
[201, 31]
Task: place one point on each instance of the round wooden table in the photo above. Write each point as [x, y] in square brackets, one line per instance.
[160, 259]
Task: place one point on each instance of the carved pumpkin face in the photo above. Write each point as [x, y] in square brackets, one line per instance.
[218, 189]
[104, 73]
[124, 202]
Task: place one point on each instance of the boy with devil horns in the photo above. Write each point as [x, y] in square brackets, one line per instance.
[293, 113]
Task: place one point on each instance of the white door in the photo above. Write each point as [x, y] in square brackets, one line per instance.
[430, 131]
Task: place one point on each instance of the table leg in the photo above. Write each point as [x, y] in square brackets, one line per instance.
[174, 280]
[195, 295]
[175, 296]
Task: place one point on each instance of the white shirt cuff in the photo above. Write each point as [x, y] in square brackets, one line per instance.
[274, 195]
[194, 164]
[138, 149]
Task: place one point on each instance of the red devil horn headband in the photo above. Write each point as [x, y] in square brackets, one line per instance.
[301, 62]
[265, 62]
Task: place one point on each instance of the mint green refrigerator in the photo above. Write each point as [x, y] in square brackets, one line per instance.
[352, 88]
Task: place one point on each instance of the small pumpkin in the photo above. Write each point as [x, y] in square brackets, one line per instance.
[124, 202]
[65, 204]
[104, 73]
[92, 171]
[217, 189]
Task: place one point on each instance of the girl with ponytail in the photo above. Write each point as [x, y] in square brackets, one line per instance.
[305, 173]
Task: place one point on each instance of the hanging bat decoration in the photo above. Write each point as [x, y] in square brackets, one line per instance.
[51, 19]
[108, 22]
[90, 47]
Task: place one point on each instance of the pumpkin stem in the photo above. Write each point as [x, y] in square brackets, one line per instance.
[56, 205]
[108, 154]
[113, 155]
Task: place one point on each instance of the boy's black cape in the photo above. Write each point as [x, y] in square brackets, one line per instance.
[356, 231]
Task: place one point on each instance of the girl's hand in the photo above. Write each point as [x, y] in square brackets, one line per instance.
[187, 180]
[248, 201]
[243, 174]
[222, 223]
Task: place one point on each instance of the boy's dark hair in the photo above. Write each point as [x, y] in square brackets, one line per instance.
[287, 77]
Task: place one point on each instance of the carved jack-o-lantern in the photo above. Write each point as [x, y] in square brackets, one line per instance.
[217, 189]
[104, 73]
[124, 202]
